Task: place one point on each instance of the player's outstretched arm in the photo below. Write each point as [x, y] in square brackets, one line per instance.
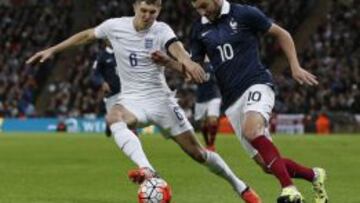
[194, 69]
[288, 46]
[78, 39]
[163, 59]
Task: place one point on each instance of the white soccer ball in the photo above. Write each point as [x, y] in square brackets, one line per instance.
[154, 190]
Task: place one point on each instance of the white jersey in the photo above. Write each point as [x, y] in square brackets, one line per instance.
[140, 76]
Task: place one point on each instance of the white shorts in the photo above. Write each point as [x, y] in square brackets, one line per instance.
[259, 98]
[163, 112]
[209, 108]
[111, 101]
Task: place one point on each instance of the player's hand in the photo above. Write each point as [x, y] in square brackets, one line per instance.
[40, 56]
[160, 58]
[105, 88]
[195, 71]
[304, 77]
[163, 59]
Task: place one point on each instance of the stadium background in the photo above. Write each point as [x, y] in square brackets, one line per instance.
[326, 34]
[38, 168]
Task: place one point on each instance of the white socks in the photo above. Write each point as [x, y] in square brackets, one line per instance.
[130, 144]
[218, 166]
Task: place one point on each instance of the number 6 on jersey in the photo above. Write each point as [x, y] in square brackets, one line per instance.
[133, 59]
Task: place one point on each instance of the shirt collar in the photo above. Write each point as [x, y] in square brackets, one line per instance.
[109, 50]
[225, 9]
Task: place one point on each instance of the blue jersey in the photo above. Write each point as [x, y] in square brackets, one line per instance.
[207, 90]
[232, 45]
[105, 70]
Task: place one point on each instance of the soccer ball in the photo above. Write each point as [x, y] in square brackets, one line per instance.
[154, 190]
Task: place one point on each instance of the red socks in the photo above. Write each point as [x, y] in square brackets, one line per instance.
[205, 131]
[209, 132]
[272, 159]
[212, 131]
[297, 171]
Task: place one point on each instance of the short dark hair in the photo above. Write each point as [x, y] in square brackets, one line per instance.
[154, 2]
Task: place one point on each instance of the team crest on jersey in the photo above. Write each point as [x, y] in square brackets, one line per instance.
[149, 43]
[234, 25]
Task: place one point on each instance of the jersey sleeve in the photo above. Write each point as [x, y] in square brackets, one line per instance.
[102, 31]
[167, 36]
[197, 49]
[256, 19]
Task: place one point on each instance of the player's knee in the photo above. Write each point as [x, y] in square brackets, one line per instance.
[112, 117]
[212, 120]
[253, 125]
[249, 131]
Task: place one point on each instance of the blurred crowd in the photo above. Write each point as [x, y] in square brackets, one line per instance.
[27, 26]
[332, 54]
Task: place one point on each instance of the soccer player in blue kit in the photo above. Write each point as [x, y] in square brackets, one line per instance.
[228, 34]
[207, 107]
[105, 77]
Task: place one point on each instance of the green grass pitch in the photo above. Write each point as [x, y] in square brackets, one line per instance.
[88, 168]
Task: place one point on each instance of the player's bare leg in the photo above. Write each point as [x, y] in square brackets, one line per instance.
[215, 164]
[119, 118]
[254, 131]
[205, 132]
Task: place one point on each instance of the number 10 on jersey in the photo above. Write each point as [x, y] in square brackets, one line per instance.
[226, 52]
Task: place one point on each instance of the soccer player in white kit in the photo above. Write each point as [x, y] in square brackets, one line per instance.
[145, 97]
